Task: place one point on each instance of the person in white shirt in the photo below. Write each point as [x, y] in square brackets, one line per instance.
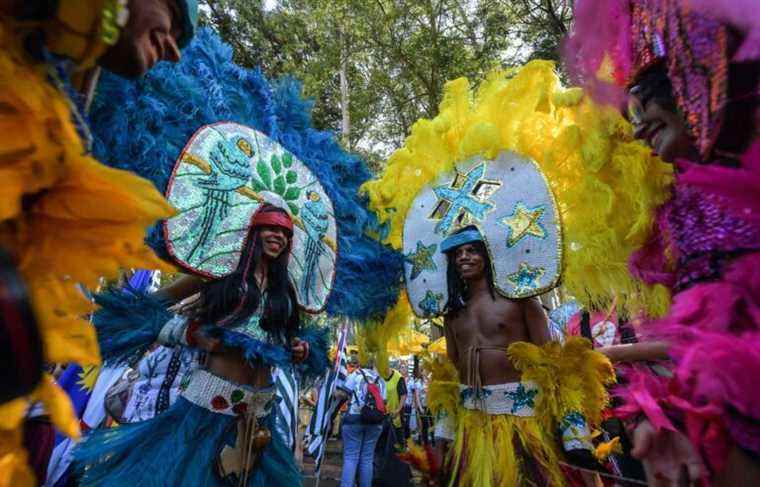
[359, 438]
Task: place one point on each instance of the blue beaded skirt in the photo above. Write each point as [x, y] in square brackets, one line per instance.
[181, 447]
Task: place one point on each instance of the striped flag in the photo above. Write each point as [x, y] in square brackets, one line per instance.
[327, 406]
[286, 410]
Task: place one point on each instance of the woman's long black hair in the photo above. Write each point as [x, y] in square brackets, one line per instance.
[457, 287]
[235, 297]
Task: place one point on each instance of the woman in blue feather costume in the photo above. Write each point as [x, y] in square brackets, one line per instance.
[218, 431]
[250, 142]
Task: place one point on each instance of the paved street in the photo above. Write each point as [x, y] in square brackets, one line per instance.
[331, 467]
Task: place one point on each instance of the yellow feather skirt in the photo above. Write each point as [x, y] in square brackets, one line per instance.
[66, 220]
[494, 450]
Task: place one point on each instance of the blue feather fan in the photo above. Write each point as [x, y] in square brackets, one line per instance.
[142, 126]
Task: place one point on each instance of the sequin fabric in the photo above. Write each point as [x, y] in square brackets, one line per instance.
[705, 235]
[695, 50]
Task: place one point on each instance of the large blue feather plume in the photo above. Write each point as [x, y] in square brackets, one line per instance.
[143, 125]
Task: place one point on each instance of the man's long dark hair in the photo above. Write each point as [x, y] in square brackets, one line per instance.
[457, 287]
[235, 297]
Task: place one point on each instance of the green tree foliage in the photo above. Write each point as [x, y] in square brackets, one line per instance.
[392, 57]
[540, 25]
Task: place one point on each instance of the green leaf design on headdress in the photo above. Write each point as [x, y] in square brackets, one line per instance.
[276, 165]
[279, 185]
[292, 193]
[258, 186]
[264, 173]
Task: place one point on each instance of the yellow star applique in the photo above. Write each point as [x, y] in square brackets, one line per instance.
[524, 221]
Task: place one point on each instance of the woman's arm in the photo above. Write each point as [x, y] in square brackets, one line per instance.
[637, 352]
[184, 286]
[416, 396]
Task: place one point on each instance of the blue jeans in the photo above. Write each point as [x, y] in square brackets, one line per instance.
[359, 442]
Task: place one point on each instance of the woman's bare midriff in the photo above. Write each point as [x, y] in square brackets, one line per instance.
[231, 365]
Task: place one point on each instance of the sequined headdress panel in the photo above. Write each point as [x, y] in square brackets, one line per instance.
[633, 36]
[694, 50]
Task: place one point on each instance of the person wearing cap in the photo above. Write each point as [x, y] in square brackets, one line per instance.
[219, 429]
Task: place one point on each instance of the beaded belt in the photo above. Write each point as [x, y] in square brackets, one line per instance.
[218, 395]
[515, 398]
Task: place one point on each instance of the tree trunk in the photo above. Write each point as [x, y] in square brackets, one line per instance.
[345, 125]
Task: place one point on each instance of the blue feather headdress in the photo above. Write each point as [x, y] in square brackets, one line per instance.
[142, 126]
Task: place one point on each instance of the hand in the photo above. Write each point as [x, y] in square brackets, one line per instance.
[299, 350]
[205, 342]
[668, 456]
[191, 307]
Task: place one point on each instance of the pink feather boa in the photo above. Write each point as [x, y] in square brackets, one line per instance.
[714, 332]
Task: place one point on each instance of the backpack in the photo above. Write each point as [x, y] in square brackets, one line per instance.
[373, 409]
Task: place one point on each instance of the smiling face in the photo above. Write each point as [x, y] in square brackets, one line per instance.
[274, 240]
[663, 130]
[470, 262]
[150, 36]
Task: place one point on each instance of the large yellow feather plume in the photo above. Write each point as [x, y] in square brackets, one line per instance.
[606, 184]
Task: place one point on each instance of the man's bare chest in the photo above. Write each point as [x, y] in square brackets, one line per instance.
[498, 323]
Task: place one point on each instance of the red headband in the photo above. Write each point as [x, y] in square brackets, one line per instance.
[272, 219]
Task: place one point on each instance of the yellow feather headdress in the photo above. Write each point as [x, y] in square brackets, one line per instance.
[606, 184]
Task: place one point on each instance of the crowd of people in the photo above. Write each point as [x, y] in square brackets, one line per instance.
[638, 191]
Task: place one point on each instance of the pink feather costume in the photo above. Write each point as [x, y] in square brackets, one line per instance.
[706, 246]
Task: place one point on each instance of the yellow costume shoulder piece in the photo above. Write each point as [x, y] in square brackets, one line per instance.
[65, 219]
[607, 185]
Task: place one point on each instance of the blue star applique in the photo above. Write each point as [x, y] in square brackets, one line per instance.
[462, 199]
[574, 419]
[431, 303]
[422, 259]
[526, 279]
[522, 398]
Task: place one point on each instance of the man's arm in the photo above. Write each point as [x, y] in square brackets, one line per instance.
[536, 321]
[401, 401]
[451, 344]
[636, 352]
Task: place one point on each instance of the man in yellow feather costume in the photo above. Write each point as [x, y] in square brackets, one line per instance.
[65, 219]
[605, 186]
[514, 392]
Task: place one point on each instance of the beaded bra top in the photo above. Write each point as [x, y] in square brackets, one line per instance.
[252, 328]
